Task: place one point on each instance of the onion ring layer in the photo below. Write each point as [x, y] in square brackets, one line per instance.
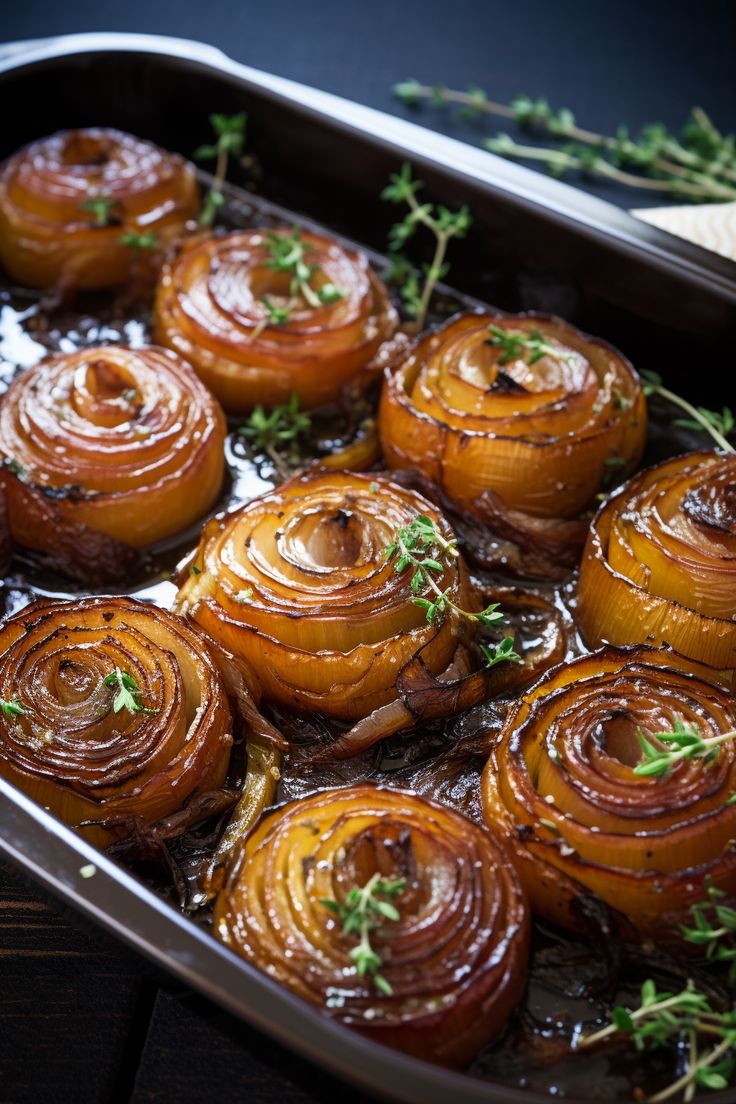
[561, 785]
[125, 441]
[659, 565]
[297, 583]
[49, 237]
[96, 768]
[541, 436]
[456, 958]
[211, 308]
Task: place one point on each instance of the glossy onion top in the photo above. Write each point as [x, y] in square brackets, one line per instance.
[297, 583]
[456, 958]
[126, 441]
[209, 307]
[660, 563]
[539, 435]
[71, 751]
[46, 235]
[561, 785]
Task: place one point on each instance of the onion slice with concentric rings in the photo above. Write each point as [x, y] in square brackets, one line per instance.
[539, 431]
[212, 306]
[123, 442]
[659, 565]
[297, 583]
[455, 960]
[51, 233]
[561, 784]
[68, 743]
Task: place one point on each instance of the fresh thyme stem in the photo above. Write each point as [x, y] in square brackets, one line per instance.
[701, 164]
[440, 221]
[560, 161]
[713, 423]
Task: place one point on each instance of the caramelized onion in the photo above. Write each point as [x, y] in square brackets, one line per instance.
[210, 308]
[561, 785]
[660, 563]
[126, 442]
[538, 637]
[47, 237]
[297, 583]
[109, 772]
[540, 436]
[456, 958]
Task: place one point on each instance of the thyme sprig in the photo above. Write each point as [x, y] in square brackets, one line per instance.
[229, 141]
[440, 221]
[698, 164]
[101, 207]
[277, 432]
[361, 912]
[138, 241]
[11, 707]
[520, 345]
[684, 741]
[700, 418]
[288, 253]
[714, 929]
[422, 548]
[128, 694]
[671, 1020]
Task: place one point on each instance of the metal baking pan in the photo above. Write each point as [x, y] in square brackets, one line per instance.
[536, 244]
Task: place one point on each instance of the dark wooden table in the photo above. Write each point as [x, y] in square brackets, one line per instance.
[82, 1019]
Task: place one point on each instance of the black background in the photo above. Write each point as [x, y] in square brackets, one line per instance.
[80, 1019]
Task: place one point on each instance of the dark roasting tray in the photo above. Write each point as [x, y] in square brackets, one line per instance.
[536, 244]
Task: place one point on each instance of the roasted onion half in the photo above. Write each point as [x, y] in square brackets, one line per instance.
[659, 565]
[106, 768]
[125, 442]
[297, 583]
[212, 306]
[539, 427]
[455, 959]
[561, 785]
[67, 200]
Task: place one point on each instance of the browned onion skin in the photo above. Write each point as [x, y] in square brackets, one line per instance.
[71, 752]
[660, 563]
[209, 308]
[456, 959]
[539, 436]
[47, 239]
[126, 442]
[560, 784]
[329, 623]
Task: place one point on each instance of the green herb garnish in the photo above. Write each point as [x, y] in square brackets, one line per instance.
[229, 139]
[139, 241]
[422, 548]
[11, 707]
[441, 222]
[696, 165]
[288, 253]
[361, 912]
[708, 421]
[128, 692]
[684, 741]
[520, 345]
[101, 207]
[678, 1021]
[714, 929]
[271, 430]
